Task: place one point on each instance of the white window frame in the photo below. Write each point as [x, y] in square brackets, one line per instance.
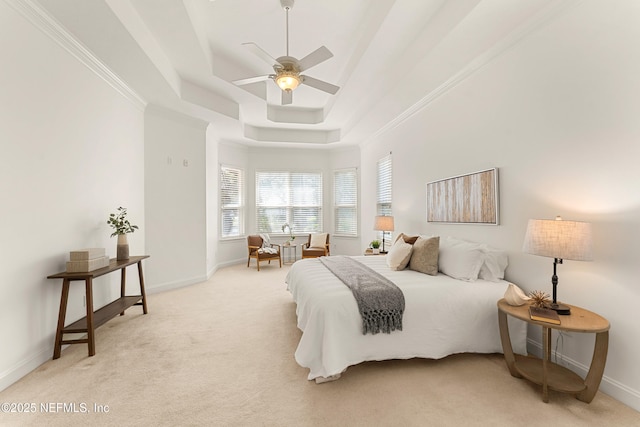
[238, 205]
[384, 193]
[351, 205]
[287, 203]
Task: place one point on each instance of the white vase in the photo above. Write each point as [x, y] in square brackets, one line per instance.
[122, 252]
[376, 251]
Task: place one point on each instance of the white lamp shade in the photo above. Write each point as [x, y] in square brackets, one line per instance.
[556, 238]
[383, 223]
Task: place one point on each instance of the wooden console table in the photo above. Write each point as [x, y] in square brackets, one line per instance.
[93, 319]
[546, 373]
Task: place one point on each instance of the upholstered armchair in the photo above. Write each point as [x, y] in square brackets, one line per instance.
[317, 245]
[260, 254]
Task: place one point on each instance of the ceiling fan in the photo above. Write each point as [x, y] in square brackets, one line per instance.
[287, 68]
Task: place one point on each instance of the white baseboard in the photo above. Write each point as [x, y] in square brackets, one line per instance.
[232, 262]
[18, 371]
[613, 388]
[168, 286]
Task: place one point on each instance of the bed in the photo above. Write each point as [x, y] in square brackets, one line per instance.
[442, 316]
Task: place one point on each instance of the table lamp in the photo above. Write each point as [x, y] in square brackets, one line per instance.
[558, 239]
[383, 223]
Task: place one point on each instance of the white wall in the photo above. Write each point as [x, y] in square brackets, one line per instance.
[212, 200]
[558, 115]
[175, 198]
[72, 151]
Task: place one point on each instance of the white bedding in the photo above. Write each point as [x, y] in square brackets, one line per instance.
[442, 316]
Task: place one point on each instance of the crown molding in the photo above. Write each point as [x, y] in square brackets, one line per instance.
[42, 20]
[541, 18]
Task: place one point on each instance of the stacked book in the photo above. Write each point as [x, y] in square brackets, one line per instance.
[84, 260]
[542, 314]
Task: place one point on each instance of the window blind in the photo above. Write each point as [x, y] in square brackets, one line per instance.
[384, 193]
[231, 202]
[345, 199]
[284, 197]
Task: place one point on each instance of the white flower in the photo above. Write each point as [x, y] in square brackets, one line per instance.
[285, 226]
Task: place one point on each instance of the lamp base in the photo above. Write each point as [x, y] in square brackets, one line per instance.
[560, 309]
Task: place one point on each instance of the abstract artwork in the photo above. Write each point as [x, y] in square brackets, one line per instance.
[464, 199]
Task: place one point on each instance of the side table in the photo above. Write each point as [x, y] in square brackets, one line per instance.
[288, 253]
[546, 373]
[93, 319]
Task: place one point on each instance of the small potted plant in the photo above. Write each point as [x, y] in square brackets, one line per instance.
[375, 245]
[122, 226]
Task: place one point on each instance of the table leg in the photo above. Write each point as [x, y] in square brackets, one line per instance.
[142, 292]
[592, 381]
[62, 314]
[507, 349]
[91, 341]
[546, 357]
[123, 284]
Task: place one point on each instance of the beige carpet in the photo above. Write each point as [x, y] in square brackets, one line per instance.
[220, 353]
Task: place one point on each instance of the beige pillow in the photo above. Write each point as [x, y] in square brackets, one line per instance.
[399, 255]
[424, 257]
[318, 240]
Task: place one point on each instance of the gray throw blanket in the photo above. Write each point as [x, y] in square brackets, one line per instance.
[380, 301]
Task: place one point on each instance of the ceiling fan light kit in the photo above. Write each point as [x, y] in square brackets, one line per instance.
[288, 80]
[287, 68]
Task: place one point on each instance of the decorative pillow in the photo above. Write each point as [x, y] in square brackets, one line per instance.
[424, 257]
[399, 255]
[318, 240]
[460, 260]
[408, 239]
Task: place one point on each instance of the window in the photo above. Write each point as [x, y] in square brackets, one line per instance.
[231, 202]
[345, 200]
[293, 198]
[384, 195]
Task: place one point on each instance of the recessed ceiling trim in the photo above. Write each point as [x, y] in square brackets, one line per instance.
[550, 12]
[208, 99]
[49, 26]
[309, 116]
[291, 135]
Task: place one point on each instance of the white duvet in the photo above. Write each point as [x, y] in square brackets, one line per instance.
[442, 316]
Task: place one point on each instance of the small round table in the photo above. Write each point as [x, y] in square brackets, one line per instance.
[546, 373]
[288, 252]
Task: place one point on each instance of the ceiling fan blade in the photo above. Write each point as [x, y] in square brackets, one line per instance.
[320, 85]
[253, 80]
[287, 97]
[261, 53]
[319, 55]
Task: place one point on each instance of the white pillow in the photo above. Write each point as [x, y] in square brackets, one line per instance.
[399, 255]
[459, 259]
[495, 263]
[318, 240]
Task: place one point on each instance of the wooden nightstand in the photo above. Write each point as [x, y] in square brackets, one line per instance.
[546, 373]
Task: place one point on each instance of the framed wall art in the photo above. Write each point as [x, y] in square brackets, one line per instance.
[464, 199]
